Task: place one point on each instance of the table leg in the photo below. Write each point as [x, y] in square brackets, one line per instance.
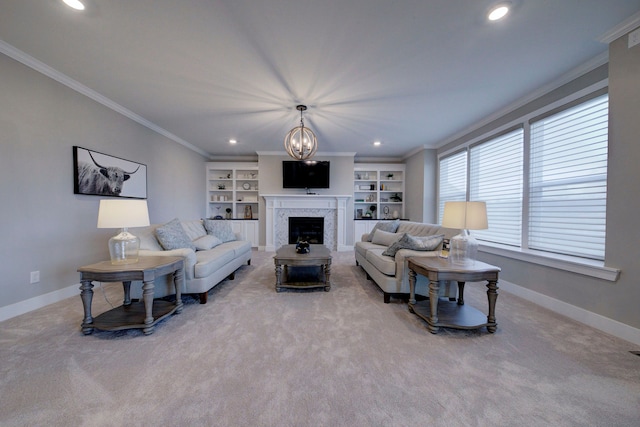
[278, 276]
[461, 293]
[327, 276]
[434, 287]
[147, 297]
[412, 288]
[126, 286]
[86, 294]
[178, 279]
[492, 295]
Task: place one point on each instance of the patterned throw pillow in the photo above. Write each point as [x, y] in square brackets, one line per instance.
[385, 239]
[416, 243]
[390, 227]
[172, 236]
[221, 229]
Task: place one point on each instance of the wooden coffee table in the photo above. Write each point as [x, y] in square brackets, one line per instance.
[311, 270]
[452, 314]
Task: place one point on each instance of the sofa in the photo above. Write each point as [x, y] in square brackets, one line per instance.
[383, 254]
[211, 251]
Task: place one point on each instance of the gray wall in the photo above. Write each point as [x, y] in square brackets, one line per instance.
[420, 187]
[46, 227]
[619, 300]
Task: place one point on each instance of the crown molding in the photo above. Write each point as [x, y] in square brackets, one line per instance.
[621, 29]
[56, 75]
[318, 153]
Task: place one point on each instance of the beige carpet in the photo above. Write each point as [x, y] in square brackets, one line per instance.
[254, 357]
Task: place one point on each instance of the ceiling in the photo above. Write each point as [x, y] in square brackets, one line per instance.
[408, 73]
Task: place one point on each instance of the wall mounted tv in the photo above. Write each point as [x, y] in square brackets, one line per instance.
[305, 174]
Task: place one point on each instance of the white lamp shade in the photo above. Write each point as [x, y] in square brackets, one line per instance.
[123, 213]
[465, 215]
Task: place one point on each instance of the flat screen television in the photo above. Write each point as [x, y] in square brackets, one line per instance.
[305, 174]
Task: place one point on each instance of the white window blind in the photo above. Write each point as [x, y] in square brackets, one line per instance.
[568, 184]
[495, 177]
[453, 180]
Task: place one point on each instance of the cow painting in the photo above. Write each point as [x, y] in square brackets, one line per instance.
[98, 178]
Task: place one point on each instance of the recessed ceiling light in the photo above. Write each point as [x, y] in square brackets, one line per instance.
[232, 141]
[499, 11]
[76, 4]
[377, 143]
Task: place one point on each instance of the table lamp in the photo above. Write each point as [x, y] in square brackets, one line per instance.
[465, 216]
[117, 213]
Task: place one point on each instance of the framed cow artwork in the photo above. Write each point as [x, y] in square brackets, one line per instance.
[100, 174]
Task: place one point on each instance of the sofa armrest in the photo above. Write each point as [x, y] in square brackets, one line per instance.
[189, 256]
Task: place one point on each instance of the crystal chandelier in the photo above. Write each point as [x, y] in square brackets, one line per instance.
[301, 143]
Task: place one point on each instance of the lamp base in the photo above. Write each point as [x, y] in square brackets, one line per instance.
[123, 248]
[464, 248]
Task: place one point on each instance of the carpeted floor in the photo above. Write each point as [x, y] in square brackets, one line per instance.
[254, 357]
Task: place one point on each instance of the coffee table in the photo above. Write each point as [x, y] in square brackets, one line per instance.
[312, 269]
[452, 314]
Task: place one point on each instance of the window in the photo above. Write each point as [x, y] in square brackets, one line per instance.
[545, 183]
[453, 180]
[495, 177]
[568, 185]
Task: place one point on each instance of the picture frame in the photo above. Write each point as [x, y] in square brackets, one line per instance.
[100, 174]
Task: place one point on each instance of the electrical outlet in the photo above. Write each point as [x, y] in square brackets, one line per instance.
[634, 38]
[35, 276]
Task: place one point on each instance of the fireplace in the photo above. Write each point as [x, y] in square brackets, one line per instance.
[310, 229]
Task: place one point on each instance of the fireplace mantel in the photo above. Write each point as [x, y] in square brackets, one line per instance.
[334, 208]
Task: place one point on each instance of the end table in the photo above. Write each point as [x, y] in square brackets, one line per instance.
[142, 315]
[446, 313]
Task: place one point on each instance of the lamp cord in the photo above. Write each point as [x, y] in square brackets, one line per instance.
[104, 294]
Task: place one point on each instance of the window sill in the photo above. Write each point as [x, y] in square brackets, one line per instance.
[586, 267]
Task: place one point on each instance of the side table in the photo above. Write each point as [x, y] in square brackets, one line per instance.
[143, 315]
[446, 313]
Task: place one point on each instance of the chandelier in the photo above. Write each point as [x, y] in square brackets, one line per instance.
[301, 143]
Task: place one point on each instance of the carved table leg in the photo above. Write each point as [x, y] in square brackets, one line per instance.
[461, 293]
[147, 297]
[86, 294]
[278, 276]
[126, 286]
[412, 289]
[327, 276]
[178, 279]
[434, 287]
[492, 295]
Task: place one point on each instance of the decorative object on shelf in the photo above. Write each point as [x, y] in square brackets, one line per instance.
[358, 213]
[114, 213]
[386, 212]
[246, 186]
[301, 143]
[465, 216]
[99, 174]
[247, 212]
[302, 247]
[396, 215]
[372, 211]
[228, 210]
[395, 198]
[221, 186]
[389, 176]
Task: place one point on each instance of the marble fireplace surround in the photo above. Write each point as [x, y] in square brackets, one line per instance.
[333, 208]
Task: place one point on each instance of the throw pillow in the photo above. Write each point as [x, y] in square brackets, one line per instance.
[220, 228]
[416, 243]
[384, 238]
[194, 229]
[390, 227]
[172, 236]
[207, 242]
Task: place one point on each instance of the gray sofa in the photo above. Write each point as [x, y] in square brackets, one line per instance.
[391, 273]
[209, 259]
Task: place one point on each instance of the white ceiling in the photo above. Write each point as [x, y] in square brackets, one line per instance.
[410, 73]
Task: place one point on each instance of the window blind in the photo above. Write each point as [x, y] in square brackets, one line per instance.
[568, 184]
[453, 180]
[496, 168]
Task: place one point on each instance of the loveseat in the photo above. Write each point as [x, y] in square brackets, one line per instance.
[211, 252]
[383, 254]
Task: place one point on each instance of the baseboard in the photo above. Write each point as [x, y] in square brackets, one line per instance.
[40, 301]
[604, 324]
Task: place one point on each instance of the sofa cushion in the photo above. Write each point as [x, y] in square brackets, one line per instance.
[385, 238]
[416, 243]
[206, 242]
[194, 229]
[220, 228]
[172, 236]
[384, 264]
[208, 262]
[238, 247]
[363, 247]
[391, 227]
